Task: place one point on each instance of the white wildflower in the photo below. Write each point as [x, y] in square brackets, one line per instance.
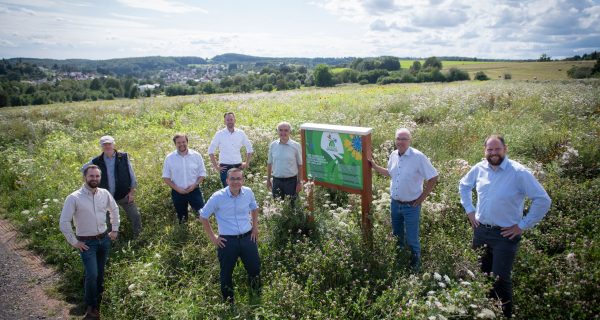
[437, 276]
[465, 283]
[447, 279]
[426, 276]
[430, 293]
[441, 284]
[486, 314]
[131, 287]
[471, 274]
[55, 200]
[25, 212]
[45, 206]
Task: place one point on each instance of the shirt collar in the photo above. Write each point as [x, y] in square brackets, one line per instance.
[87, 189]
[408, 152]
[502, 165]
[229, 194]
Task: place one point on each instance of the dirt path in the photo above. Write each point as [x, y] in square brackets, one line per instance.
[24, 278]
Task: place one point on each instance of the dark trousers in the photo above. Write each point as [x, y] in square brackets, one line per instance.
[181, 201]
[246, 249]
[283, 187]
[94, 260]
[223, 172]
[498, 257]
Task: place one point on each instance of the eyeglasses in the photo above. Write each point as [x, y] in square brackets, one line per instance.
[236, 179]
[403, 139]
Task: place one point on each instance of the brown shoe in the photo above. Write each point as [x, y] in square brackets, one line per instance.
[91, 313]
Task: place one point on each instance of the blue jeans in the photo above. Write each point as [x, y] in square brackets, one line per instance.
[498, 257]
[405, 227]
[223, 173]
[94, 260]
[181, 201]
[235, 248]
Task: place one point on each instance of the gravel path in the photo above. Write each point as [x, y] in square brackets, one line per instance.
[23, 280]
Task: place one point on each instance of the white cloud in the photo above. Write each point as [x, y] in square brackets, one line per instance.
[164, 6]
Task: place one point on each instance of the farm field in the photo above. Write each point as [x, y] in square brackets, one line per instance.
[171, 272]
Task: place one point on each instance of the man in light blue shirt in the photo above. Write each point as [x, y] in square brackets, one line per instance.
[497, 219]
[236, 212]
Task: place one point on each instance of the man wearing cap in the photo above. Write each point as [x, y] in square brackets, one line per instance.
[408, 169]
[229, 141]
[118, 178]
[236, 212]
[284, 163]
[184, 171]
[497, 219]
[87, 208]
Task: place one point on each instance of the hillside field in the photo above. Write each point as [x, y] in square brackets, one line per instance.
[172, 272]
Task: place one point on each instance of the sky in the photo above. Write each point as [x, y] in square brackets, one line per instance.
[499, 29]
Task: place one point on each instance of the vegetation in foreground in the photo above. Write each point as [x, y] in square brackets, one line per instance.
[172, 272]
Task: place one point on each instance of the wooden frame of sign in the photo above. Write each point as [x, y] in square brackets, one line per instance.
[362, 187]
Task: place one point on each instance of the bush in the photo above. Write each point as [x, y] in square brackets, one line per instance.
[373, 75]
[363, 82]
[455, 74]
[579, 72]
[388, 80]
[481, 76]
[507, 76]
[267, 87]
[323, 77]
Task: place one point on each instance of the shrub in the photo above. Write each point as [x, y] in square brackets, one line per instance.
[579, 72]
[481, 76]
[267, 87]
[363, 82]
[507, 76]
[455, 74]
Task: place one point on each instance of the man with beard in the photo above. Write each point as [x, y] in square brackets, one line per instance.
[229, 141]
[118, 178]
[184, 171]
[408, 168]
[497, 220]
[87, 208]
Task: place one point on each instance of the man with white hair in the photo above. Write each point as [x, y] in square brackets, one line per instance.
[284, 164]
[408, 169]
[118, 178]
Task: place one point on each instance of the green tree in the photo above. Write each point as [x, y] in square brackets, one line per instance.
[416, 67]
[96, 84]
[390, 63]
[432, 63]
[322, 75]
[481, 76]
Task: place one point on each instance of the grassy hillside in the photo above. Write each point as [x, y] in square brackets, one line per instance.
[172, 272]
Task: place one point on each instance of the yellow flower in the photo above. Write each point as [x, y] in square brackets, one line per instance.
[355, 146]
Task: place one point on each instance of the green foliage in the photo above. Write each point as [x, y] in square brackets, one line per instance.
[324, 271]
[579, 72]
[455, 74]
[432, 63]
[415, 67]
[481, 76]
[507, 76]
[323, 77]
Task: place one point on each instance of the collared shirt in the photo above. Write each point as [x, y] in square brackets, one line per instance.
[110, 171]
[233, 213]
[184, 170]
[501, 194]
[284, 158]
[407, 174]
[88, 212]
[229, 145]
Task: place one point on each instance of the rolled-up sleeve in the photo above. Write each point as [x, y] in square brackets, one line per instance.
[246, 142]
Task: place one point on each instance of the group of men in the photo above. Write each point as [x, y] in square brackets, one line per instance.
[110, 182]
[497, 218]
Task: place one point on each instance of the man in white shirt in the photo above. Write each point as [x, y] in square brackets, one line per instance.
[229, 141]
[184, 171]
[408, 169]
[87, 208]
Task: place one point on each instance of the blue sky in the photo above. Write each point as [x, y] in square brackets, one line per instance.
[513, 29]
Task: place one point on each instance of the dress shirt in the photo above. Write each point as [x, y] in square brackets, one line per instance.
[232, 212]
[110, 168]
[501, 194]
[184, 170]
[284, 158]
[407, 174]
[88, 212]
[229, 145]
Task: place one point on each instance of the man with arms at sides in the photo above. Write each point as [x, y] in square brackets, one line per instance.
[184, 171]
[408, 168]
[118, 178]
[236, 212]
[229, 141]
[284, 164]
[497, 220]
[87, 208]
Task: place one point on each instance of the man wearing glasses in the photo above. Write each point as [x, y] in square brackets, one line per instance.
[408, 169]
[236, 212]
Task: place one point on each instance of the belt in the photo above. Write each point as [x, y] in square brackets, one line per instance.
[96, 237]
[405, 202]
[231, 165]
[238, 236]
[490, 226]
[290, 178]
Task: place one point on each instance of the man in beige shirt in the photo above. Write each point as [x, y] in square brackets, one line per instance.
[87, 208]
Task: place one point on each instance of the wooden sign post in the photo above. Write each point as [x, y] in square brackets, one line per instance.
[336, 157]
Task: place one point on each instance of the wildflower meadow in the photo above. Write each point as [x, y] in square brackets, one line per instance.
[321, 269]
